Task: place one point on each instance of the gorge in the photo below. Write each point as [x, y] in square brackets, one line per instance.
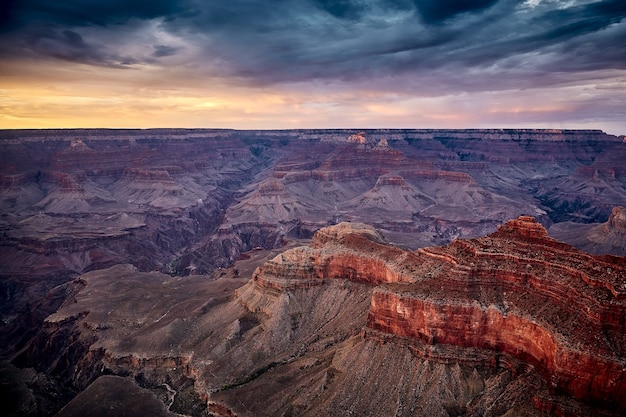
[314, 272]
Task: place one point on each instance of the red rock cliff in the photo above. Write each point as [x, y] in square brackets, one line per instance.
[350, 251]
[518, 291]
[515, 292]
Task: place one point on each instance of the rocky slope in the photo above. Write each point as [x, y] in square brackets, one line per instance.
[193, 202]
[74, 204]
[513, 323]
[520, 292]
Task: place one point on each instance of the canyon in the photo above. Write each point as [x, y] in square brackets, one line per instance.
[314, 272]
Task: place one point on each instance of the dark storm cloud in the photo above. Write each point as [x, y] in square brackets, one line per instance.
[571, 39]
[64, 44]
[344, 9]
[580, 20]
[299, 40]
[164, 50]
[20, 13]
[436, 11]
[45, 29]
[324, 39]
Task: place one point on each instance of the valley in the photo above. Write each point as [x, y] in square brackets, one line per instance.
[314, 272]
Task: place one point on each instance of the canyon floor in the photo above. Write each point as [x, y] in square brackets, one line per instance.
[312, 272]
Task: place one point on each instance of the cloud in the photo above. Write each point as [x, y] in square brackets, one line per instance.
[165, 50]
[437, 11]
[86, 12]
[339, 40]
[64, 44]
[405, 48]
[298, 40]
[343, 9]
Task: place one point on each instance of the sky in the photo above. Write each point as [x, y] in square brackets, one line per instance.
[282, 64]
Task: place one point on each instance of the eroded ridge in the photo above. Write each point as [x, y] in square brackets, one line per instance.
[350, 251]
[516, 291]
[520, 292]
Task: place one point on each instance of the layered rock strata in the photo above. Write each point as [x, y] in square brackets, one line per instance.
[351, 251]
[514, 323]
[515, 292]
[518, 291]
[189, 202]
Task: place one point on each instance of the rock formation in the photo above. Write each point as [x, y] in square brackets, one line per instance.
[118, 397]
[617, 221]
[433, 184]
[490, 293]
[604, 238]
[511, 323]
[75, 205]
[520, 292]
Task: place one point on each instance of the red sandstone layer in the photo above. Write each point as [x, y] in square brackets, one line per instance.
[516, 291]
[350, 251]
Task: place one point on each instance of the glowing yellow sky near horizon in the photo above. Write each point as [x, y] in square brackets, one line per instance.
[75, 96]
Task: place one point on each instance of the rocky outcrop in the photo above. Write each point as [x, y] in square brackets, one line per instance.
[118, 396]
[588, 194]
[513, 322]
[520, 292]
[80, 200]
[436, 184]
[351, 251]
[516, 299]
[617, 221]
[516, 292]
[161, 175]
[381, 181]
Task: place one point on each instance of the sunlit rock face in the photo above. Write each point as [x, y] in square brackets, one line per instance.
[518, 291]
[514, 295]
[351, 251]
